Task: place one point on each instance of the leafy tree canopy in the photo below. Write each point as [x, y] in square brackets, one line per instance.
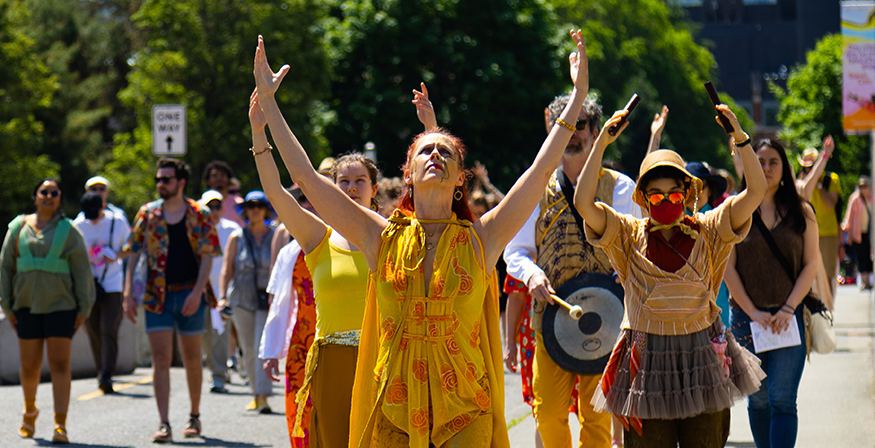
[811, 109]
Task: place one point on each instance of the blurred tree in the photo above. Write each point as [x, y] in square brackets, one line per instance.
[26, 88]
[490, 67]
[199, 53]
[811, 109]
[85, 45]
[647, 46]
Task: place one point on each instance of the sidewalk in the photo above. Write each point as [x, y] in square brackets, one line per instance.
[836, 402]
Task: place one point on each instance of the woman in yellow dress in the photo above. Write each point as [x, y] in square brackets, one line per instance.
[429, 367]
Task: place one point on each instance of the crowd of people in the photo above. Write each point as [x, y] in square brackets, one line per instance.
[385, 299]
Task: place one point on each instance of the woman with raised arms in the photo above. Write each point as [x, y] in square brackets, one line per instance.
[339, 282]
[675, 370]
[429, 367]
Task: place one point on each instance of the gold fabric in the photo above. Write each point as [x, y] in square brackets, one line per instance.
[331, 394]
[349, 338]
[421, 358]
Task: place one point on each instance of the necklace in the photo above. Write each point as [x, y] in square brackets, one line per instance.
[428, 244]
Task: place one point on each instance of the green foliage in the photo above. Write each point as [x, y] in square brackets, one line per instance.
[26, 89]
[811, 109]
[647, 47]
[85, 45]
[490, 67]
[199, 53]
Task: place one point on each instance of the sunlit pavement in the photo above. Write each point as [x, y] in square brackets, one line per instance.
[836, 407]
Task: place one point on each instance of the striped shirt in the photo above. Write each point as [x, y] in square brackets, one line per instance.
[663, 302]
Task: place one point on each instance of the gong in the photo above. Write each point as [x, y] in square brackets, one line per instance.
[583, 346]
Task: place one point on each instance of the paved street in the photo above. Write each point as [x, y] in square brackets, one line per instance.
[836, 403]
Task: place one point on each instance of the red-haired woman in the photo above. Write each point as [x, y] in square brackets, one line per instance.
[429, 366]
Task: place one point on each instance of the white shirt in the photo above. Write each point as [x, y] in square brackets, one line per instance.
[521, 253]
[225, 228]
[284, 309]
[97, 240]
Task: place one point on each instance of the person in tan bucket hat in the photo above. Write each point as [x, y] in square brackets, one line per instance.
[671, 266]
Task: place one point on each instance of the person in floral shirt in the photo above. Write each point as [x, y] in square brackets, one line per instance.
[178, 241]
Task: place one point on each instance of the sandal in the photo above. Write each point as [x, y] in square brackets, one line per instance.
[59, 437]
[28, 419]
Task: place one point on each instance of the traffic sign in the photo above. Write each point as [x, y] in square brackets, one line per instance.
[168, 130]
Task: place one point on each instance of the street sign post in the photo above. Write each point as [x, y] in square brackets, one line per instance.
[168, 130]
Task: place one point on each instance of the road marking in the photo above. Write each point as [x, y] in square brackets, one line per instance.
[116, 387]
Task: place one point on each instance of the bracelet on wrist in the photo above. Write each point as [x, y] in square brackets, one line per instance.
[268, 149]
[744, 142]
[565, 125]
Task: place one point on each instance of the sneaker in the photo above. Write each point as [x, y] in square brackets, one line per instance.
[218, 390]
[192, 428]
[253, 405]
[164, 434]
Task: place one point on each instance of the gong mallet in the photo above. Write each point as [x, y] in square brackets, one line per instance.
[575, 312]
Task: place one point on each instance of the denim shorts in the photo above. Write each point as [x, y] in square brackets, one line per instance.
[172, 314]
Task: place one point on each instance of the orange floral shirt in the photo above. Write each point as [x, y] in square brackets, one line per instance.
[432, 378]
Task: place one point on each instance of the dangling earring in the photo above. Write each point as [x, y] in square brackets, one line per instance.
[458, 194]
[782, 182]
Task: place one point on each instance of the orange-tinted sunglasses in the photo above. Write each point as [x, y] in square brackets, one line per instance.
[659, 198]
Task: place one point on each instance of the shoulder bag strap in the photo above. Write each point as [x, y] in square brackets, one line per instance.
[253, 255]
[813, 304]
[568, 192]
[111, 229]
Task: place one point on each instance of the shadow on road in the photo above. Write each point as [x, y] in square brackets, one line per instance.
[210, 441]
[48, 442]
[740, 445]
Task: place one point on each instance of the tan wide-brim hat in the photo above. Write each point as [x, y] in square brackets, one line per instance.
[809, 156]
[666, 157]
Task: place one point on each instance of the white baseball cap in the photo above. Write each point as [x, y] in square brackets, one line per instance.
[96, 180]
[210, 195]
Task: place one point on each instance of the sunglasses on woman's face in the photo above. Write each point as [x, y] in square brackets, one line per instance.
[47, 193]
[659, 198]
[254, 205]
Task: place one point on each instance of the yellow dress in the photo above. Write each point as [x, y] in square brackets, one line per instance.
[423, 361]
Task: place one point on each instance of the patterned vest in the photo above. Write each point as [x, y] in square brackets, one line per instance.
[563, 252]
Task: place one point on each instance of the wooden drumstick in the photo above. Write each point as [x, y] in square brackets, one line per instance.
[575, 312]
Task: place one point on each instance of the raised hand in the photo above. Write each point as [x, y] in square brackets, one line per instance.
[605, 138]
[266, 80]
[828, 146]
[659, 121]
[256, 115]
[579, 63]
[737, 132]
[424, 108]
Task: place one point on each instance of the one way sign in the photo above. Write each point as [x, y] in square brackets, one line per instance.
[168, 130]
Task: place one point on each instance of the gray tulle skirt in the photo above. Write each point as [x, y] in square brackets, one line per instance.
[678, 376]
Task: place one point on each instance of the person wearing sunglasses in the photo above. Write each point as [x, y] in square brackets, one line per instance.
[243, 285]
[46, 292]
[178, 240]
[548, 251]
[675, 370]
[215, 344]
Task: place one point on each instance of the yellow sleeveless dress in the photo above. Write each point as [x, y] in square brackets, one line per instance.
[424, 360]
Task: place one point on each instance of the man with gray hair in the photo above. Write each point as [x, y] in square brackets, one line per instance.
[551, 249]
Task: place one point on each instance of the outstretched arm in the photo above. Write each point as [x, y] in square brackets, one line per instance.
[301, 224]
[482, 177]
[656, 130]
[357, 224]
[500, 224]
[813, 178]
[748, 200]
[587, 182]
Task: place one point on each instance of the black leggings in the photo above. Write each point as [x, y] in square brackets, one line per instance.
[861, 254]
